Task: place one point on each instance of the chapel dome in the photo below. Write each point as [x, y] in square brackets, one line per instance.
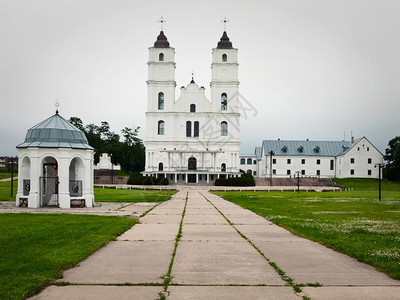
[55, 132]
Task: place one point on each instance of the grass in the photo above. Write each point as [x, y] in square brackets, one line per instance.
[352, 222]
[7, 175]
[122, 195]
[5, 190]
[35, 248]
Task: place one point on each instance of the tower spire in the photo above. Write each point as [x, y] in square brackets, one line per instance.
[225, 21]
[161, 21]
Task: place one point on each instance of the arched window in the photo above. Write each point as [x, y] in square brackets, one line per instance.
[192, 164]
[223, 167]
[224, 101]
[242, 161]
[188, 129]
[160, 101]
[192, 107]
[161, 57]
[224, 128]
[224, 57]
[249, 161]
[161, 127]
[160, 166]
[196, 129]
[249, 171]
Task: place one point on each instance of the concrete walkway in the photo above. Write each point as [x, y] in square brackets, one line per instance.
[223, 252]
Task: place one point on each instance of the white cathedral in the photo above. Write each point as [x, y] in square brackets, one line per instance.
[193, 139]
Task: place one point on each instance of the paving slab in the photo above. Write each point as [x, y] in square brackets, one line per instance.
[85, 292]
[266, 232]
[123, 262]
[221, 263]
[208, 232]
[353, 293]
[151, 232]
[307, 261]
[160, 219]
[201, 211]
[239, 219]
[204, 219]
[231, 293]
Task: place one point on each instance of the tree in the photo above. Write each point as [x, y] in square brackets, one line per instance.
[393, 159]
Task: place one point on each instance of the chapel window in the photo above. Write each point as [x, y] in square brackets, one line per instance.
[160, 101]
[192, 107]
[161, 57]
[188, 129]
[224, 57]
[224, 128]
[196, 129]
[161, 127]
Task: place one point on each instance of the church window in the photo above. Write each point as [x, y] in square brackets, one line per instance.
[224, 128]
[160, 166]
[249, 160]
[161, 127]
[332, 164]
[318, 172]
[254, 162]
[188, 129]
[223, 167]
[303, 172]
[242, 161]
[274, 171]
[288, 172]
[352, 160]
[284, 149]
[254, 173]
[367, 148]
[289, 161]
[192, 107]
[161, 57]
[224, 57]
[316, 149]
[369, 172]
[274, 161]
[249, 171]
[352, 172]
[318, 161]
[303, 161]
[224, 101]
[370, 160]
[160, 101]
[196, 129]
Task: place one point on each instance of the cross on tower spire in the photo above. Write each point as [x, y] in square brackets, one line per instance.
[192, 77]
[225, 21]
[161, 21]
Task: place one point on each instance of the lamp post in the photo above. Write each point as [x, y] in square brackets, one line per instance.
[298, 181]
[270, 167]
[380, 166]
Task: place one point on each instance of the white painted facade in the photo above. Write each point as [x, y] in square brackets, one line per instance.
[192, 139]
[55, 166]
[105, 163]
[321, 159]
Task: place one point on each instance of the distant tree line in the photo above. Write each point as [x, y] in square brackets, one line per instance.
[129, 153]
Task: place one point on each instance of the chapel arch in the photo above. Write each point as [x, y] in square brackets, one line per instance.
[49, 181]
[25, 173]
[76, 177]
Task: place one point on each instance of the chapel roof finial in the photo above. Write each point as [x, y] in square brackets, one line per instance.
[192, 77]
[56, 105]
[162, 41]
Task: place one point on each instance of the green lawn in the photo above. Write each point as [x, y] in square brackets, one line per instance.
[5, 190]
[7, 175]
[353, 222]
[35, 248]
[122, 195]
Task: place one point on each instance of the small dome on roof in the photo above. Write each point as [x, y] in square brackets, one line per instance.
[55, 132]
[224, 42]
[162, 41]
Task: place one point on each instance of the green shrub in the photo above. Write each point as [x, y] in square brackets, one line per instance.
[139, 179]
[244, 180]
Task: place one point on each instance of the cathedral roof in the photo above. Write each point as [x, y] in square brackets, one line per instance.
[55, 132]
[224, 42]
[162, 41]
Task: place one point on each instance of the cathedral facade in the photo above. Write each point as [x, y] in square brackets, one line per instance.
[192, 139]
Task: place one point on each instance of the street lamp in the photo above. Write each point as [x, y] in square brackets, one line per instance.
[270, 166]
[380, 166]
[298, 181]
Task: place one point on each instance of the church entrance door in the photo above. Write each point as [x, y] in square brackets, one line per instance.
[192, 164]
[191, 178]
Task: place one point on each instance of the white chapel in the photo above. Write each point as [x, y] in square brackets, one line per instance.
[192, 139]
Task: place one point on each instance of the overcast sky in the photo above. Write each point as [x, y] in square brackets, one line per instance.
[312, 69]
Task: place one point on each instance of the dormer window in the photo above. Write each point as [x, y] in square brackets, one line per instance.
[316, 149]
[161, 57]
[224, 57]
[224, 101]
[192, 107]
[284, 149]
[300, 149]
